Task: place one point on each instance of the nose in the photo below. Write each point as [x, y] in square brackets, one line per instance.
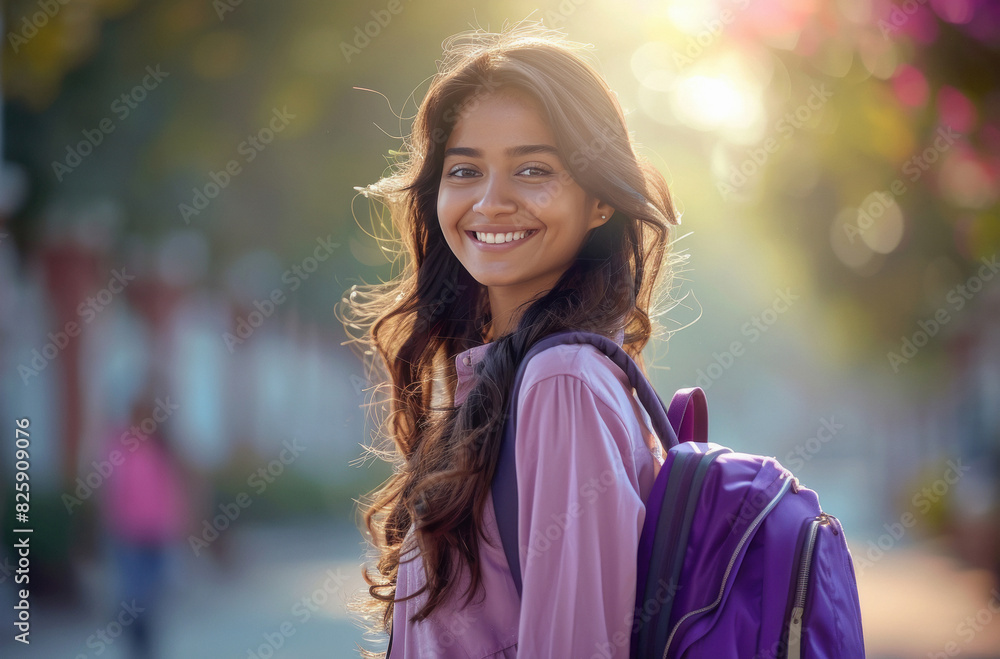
[495, 198]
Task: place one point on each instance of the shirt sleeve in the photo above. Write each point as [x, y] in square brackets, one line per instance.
[579, 519]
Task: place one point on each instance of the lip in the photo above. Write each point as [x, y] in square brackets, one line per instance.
[500, 247]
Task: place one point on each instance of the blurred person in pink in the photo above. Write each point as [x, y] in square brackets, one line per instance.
[145, 511]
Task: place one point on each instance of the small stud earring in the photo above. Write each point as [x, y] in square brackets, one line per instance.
[604, 217]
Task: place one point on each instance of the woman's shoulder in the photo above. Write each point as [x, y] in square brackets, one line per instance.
[580, 361]
[580, 381]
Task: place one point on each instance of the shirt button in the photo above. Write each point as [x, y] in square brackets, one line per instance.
[467, 360]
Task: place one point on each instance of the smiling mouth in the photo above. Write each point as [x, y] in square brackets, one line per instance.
[496, 238]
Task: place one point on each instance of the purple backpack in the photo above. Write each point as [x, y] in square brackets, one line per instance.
[736, 559]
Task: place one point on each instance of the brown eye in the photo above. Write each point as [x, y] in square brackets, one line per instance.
[535, 170]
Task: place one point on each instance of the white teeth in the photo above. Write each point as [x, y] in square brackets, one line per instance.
[500, 237]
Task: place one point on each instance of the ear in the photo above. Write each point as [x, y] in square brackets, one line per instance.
[599, 214]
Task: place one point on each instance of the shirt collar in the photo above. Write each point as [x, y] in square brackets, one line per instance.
[467, 360]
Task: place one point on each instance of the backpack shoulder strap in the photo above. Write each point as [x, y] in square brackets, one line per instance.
[504, 487]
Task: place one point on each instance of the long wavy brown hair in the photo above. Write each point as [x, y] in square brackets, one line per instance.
[409, 330]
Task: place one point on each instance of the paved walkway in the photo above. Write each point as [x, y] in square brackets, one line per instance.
[919, 603]
[285, 597]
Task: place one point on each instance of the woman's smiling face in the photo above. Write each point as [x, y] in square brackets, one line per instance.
[503, 180]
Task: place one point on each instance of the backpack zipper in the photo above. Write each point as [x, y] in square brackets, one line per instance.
[802, 589]
[732, 561]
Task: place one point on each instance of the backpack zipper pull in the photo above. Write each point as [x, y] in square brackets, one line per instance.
[795, 633]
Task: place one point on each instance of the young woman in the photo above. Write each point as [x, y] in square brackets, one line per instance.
[522, 210]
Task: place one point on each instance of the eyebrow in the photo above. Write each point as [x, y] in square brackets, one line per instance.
[510, 152]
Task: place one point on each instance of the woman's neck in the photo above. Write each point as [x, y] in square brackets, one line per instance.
[488, 332]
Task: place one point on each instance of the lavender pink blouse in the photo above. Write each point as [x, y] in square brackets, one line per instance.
[586, 461]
